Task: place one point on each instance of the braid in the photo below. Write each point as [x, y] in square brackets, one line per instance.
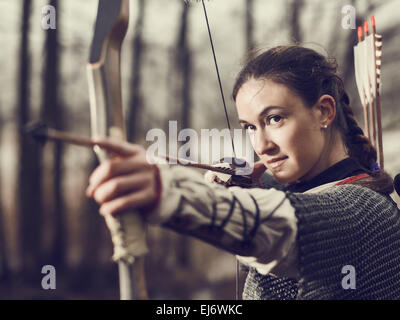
[360, 149]
[358, 145]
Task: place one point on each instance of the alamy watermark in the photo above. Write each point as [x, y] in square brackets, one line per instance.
[49, 18]
[209, 147]
[349, 280]
[349, 18]
[49, 280]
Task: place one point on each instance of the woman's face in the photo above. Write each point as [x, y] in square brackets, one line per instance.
[286, 135]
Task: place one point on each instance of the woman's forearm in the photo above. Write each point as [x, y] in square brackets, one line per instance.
[256, 223]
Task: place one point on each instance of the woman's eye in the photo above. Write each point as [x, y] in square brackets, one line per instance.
[249, 128]
[274, 119]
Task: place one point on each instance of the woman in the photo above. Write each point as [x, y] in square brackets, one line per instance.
[330, 210]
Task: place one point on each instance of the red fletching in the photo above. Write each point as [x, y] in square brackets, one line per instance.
[366, 28]
[360, 33]
[373, 21]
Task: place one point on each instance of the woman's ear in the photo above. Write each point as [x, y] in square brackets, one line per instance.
[326, 107]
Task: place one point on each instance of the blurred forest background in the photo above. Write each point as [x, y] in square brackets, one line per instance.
[167, 74]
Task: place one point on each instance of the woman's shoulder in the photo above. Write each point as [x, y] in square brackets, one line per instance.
[337, 190]
[351, 211]
[348, 201]
[356, 193]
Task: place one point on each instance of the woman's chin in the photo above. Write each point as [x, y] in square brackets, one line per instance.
[283, 178]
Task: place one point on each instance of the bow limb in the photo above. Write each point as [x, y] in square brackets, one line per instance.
[104, 79]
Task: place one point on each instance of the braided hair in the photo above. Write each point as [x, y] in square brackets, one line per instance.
[311, 75]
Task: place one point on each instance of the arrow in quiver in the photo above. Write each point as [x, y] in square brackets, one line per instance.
[367, 64]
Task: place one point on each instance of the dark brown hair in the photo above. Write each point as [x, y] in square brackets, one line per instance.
[311, 75]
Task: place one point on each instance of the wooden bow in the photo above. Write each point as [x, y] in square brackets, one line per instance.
[104, 78]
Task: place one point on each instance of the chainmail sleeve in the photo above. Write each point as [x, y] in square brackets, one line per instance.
[348, 225]
[269, 287]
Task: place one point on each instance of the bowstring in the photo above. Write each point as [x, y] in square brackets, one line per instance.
[218, 76]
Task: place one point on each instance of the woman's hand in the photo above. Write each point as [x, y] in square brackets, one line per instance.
[226, 180]
[124, 182]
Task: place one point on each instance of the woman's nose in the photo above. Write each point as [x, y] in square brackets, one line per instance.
[263, 143]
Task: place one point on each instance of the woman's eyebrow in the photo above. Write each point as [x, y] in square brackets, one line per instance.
[266, 110]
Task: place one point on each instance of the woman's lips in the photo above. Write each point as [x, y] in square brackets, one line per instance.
[277, 163]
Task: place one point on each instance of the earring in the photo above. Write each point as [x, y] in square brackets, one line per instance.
[325, 126]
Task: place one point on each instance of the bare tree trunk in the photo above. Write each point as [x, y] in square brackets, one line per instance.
[135, 97]
[249, 25]
[183, 64]
[179, 100]
[29, 175]
[4, 272]
[52, 115]
[294, 13]
[183, 69]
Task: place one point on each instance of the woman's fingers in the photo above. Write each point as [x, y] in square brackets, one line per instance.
[258, 169]
[116, 167]
[122, 185]
[128, 202]
[127, 181]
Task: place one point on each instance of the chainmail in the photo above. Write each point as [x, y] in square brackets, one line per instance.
[269, 287]
[345, 225]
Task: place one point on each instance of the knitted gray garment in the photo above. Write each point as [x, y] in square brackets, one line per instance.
[345, 225]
